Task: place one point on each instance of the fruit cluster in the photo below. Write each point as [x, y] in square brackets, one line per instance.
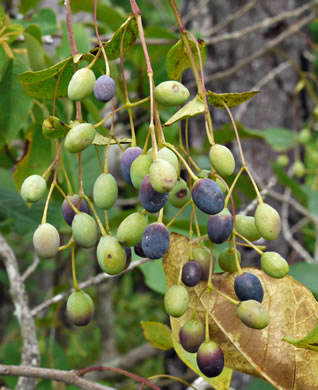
[155, 173]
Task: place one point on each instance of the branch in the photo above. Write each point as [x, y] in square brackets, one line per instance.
[258, 53]
[93, 281]
[30, 352]
[263, 24]
[69, 377]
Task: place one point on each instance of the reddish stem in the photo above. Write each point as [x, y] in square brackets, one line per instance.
[134, 7]
[120, 371]
[69, 27]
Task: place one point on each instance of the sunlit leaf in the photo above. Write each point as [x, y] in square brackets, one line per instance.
[191, 109]
[101, 140]
[177, 59]
[308, 342]
[231, 99]
[154, 276]
[159, 335]
[293, 312]
[221, 382]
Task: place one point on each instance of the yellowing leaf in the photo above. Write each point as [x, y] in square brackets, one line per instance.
[177, 58]
[308, 342]
[193, 108]
[231, 99]
[221, 382]
[101, 140]
[159, 335]
[293, 311]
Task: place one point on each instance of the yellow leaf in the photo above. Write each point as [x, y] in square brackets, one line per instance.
[293, 311]
[159, 335]
[232, 99]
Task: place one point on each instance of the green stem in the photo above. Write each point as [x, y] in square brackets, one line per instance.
[46, 207]
[91, 206]
[250, 244]
[234, 301]
[74, 269]
[178, 213]
[194, 177]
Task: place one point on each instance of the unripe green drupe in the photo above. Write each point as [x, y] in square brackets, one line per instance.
[176, 300]
[274, 265]
[33, 188]
[267, 221]
[171, 93]
[79, 137]
[105, 191]
[81, 84]
[46, 240]
[84, 229]
[222, 159]
[80, 308]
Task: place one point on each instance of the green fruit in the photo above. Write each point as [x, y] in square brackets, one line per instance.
[33, 188]
[227, 260]
[274, 265]
[53, 127]
[222, 159]
[105, 191]
[162, 175]
[79, 137]
[222, 186]
[253, 314]
[176, 300]
[304, 136]
[267, 221]
[84, 229]
[171, 93]
[46, 241]
[131, 229]
[80, 308]
[169, 155]
[245, 225]
[81, 84]
[180, 194]
[282, 160]
[111, 255]
[314, 156]
[299, 169]
[202, 256]
[139, 169]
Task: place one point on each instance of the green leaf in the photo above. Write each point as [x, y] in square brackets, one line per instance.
[191, 109]
[231, 99]
[2, 16]
[306, 274]
[159, 335]
[279, 139]
[308, 342]
[46, 19]
[82, 40]
[4, 60]
[154, 276]
[221, 382]
[15, 104]
[35, 31]
[37, 157]
[297, 189]
[101, 140]
[14, 30]
[259, 384]
[112, 47]
[177, 58]
[27, 5]
[35, 51]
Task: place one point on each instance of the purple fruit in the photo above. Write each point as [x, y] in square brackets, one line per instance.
[155, 240]
[150, 199]
[67, 210]
[220, 227]
[210, 359]
[191, 273]
[128, 256]
[104, 88]
[127, 159]
[202, 256]
[138, 250]
[247, 286]
[191, 335]
[208, 196]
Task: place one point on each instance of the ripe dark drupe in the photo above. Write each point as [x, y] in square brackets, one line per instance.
[208, 196]
[248, 286]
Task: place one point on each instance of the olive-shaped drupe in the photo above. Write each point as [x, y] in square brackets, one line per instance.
[274, 265]
[220, 226]
[111, 255]
[81, 84]
[79, 137]
[267, 221]
[104, 88]
[80, 308]
[247, 286]
[131, 229]
[191, 335]
[150, 199]
[208, 196]
[210, 359]
[253, 314]
[68, 212]
[46, 240]
[33, 188]
[176, 300]
[222, 159]
[191, 273]
[155, 240]
[171, 93]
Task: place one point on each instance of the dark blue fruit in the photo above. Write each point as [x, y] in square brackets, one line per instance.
[104, 88]
[128, 256]
[247, 286]
[208, 196]
[127, 159]
[138, 250]
[210, 359]
[191, 335]
[220, 227]
[191, 273]
[150, 199]
[155, 240]
[67, 210]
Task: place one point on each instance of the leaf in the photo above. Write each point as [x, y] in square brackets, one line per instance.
[3, 62]
[2, 16]
[306, 274]
[27, 5]
[279, 139]
[14, 31]
[37, 158]
[13, 115]
[46, 20]
[308, 342]
[293, 311]
[231, 99]
[154, 276]
[193, 108]
[177, 59]
[81, 36]
[221, 382]
[159, 335]
[35, 51]
[101, 140]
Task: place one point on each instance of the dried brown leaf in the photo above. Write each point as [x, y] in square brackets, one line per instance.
[293, 311]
